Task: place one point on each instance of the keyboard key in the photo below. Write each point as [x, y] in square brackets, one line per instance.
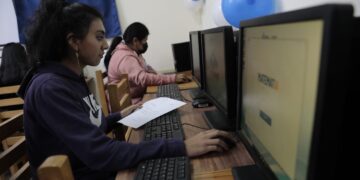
[169, 90]
[161, 128]
[164, 168]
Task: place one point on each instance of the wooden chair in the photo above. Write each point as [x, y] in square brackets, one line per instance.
[11, 106]
[101, 84]
[9, 102]
[119, 97]
[56, 167]
[15, 153]
[119, 94]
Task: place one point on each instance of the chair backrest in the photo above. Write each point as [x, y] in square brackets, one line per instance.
[101, 84]
[119, 97]
[10, 103]
[17, 151]
[56, 167]
[119, 94]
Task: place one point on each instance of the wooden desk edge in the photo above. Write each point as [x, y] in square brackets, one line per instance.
[221, 174]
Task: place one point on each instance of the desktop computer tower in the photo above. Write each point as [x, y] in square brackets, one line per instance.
[181, 53]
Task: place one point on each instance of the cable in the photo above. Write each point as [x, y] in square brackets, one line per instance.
[195, 126]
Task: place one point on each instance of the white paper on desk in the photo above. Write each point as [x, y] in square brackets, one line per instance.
[151, 110]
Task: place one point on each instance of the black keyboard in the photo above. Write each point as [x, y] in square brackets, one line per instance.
[169, 90]
[166, 126]
[164, 168]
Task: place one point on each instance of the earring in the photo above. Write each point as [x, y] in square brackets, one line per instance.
[77, 57]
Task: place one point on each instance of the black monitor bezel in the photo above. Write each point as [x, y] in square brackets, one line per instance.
[230, 71]
[199, 82]
[333, 81]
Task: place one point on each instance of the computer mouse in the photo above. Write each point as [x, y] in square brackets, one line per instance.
[201, 103]
[230, 143]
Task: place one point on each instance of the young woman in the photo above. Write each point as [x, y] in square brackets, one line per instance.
[61, 116]
[126, 58]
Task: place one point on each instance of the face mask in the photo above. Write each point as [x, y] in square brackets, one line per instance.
[142, 51]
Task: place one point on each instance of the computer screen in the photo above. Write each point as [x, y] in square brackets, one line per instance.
[219, 71]
[196, 56]
[181, 53]
[293, 72]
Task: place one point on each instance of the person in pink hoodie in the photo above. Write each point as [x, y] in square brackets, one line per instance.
[125, 57]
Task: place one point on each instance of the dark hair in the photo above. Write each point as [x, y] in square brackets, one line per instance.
[136, 29]
[53, 21]
[14, 64]
[113, 45]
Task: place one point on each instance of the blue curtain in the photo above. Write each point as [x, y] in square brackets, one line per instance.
[25, 10]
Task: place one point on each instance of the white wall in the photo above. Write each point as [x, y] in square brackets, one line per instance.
[168, 22]
[8, 22]
[284, 5]
[297, 4]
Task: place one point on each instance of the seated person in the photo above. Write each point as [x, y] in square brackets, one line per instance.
[126, 58]
[14, 64]
[61, 116]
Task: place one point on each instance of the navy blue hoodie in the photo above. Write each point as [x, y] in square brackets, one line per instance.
[61, 116]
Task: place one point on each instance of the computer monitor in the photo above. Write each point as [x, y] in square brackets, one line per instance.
[219, 76]
[196, 57]
[197, 66]
[296, 76]
[181, 53]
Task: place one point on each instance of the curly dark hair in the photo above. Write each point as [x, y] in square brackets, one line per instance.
[53, 21]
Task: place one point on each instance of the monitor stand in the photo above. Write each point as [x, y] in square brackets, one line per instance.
[248, 173]
[218, 120]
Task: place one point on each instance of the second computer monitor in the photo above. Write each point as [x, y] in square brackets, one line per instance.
[219, 75]
[196, 57]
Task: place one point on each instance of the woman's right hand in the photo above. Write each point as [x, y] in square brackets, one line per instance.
[181, 78]
[207, 141]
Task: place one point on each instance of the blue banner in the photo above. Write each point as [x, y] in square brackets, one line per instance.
[25, 9]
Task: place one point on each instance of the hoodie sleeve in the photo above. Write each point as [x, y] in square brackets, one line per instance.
[111, 122]
[60, 111]
[140, 76]
[151, 69]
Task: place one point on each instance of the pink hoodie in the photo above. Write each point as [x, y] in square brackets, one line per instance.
[126, 61]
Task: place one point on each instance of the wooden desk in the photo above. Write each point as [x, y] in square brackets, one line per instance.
[208, 166]
[183, 86]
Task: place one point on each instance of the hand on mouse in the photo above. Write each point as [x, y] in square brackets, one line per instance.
[181, 78]
[206, 141]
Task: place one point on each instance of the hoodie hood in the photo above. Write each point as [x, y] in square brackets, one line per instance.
[126, 51]
[49, 67]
